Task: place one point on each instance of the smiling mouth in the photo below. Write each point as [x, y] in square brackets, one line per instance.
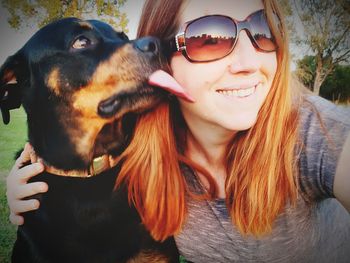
[239, 93]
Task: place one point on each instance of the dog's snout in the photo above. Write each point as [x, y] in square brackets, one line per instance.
[148, 45]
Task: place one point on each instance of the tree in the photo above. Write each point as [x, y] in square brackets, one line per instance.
[336, 87]
[326, 25]
[305, 71]
[42, 12]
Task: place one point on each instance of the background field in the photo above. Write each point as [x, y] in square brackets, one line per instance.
[12, 138]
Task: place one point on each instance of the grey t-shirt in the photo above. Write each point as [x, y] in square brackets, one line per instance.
[316, 230]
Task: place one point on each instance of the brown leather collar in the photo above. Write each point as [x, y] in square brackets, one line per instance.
[98, 165]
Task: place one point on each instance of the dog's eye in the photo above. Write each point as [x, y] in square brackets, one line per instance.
[81, 42]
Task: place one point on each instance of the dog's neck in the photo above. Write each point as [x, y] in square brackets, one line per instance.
[98, 165]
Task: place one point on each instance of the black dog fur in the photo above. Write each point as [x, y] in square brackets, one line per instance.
[82, 85]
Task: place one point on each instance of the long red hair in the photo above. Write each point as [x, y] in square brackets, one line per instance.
[260, 164]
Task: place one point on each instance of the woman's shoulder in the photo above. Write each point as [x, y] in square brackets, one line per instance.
[323, 129]
[323, 122]
[315, 109]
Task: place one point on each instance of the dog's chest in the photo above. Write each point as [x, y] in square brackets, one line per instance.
[83, 217]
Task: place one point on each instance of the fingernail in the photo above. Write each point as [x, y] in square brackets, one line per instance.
[39, 167]
[18, 222]
[42, 188]
[35, 204]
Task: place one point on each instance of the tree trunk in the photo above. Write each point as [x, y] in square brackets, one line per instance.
[321, 75]
[318, 82]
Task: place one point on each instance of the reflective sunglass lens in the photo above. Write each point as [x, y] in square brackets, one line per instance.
[210, 37]
[261, 33]
[213, 37]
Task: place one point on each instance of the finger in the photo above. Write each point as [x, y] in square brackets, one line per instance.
[24, 157]
[33, 156]
[27, 172]
[26, 190]
[16, 219]
[22, 206]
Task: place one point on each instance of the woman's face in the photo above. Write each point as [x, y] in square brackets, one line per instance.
[228, 92]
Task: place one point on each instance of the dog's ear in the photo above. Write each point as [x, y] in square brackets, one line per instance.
[10, 86]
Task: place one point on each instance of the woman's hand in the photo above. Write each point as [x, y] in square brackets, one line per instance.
[17, 187]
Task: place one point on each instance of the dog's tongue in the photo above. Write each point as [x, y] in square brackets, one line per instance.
[164, 80]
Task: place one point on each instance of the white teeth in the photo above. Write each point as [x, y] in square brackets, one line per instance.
[241, 93]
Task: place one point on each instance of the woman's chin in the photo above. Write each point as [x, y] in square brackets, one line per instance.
[240, 123]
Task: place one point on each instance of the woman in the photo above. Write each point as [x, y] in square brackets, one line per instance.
[246, 171]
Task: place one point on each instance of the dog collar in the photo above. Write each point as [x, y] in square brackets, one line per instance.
[98, 165]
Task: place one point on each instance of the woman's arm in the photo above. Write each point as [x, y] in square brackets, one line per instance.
[17, 187]
[342, 177]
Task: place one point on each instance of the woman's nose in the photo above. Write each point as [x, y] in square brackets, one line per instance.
[244, 57]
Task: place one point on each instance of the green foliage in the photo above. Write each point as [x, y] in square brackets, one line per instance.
[305, 71]
[336, 87]
[286, 7]
[182, 259]
[41, 12]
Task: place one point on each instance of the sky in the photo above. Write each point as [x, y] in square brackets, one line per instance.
[12, 40]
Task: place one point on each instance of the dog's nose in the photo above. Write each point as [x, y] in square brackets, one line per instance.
[148, 45]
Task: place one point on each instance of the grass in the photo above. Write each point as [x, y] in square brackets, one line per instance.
[12, 138]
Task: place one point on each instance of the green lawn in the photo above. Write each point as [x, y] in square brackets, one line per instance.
[12, 138]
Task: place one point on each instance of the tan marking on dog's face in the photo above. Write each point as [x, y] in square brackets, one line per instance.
[53, 81]
[90, 122]
[122, 72]
[9, 77]
[85, 24]
[85, 144]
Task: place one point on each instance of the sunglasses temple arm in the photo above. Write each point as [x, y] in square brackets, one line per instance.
[169, 47]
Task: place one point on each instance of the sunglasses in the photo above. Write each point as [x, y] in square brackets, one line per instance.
[213, 37]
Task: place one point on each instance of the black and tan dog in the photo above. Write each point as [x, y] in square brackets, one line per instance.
[81, 83]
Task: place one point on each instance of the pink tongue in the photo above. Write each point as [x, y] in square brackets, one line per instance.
[162, 79]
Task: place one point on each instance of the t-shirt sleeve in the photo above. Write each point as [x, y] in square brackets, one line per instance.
[324, 128]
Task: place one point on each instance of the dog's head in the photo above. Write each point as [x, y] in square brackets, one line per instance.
[76, 80]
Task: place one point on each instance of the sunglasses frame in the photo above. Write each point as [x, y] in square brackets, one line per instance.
[180, 39]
